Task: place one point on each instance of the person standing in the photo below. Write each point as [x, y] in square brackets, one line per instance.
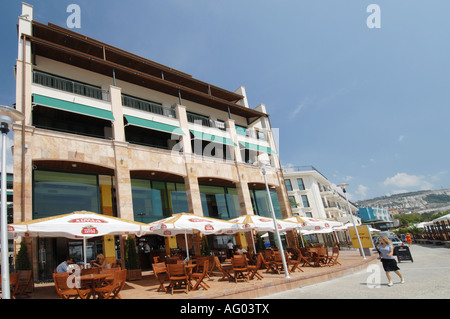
[386, 250]
[230, 249]
[408, 239]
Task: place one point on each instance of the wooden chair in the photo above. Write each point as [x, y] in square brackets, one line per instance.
[178, 276]
[155, 259]
[112, 290]
[321, 257]
[25, 277]
[240, 268]
[13, 284]
[225, 272]
[200, 276]
[160, 272]
[333, 259]
[268, 255]
[277, 264]
[305, 257]
[254, 268]
[64, 292]
[295, 263]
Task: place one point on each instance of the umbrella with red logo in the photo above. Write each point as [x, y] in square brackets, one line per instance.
[185, 223]
[261, 224]
[77, 225]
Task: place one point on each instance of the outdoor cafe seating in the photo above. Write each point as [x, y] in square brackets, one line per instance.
[240, 267]
[66, 292]
[178, 277]
[111, 289]
[201, 275]
[254, 268]
[103, 283]
[19, 283]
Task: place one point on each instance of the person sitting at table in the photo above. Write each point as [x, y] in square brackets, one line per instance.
[241, 250]
[100, 262]
[64, 266]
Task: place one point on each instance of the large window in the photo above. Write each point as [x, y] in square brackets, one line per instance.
[62, 121]
[153, 200]
[288, 184]
[220, 202]
[261, 204]
[301, 185]
[56, 193]
[305, 201]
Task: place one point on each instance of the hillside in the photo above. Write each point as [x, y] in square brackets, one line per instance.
[419, 202]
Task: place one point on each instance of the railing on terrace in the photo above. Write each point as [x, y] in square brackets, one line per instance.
[67, 85]
[301, 168]
[205, 121]
[147, 106]
[251, 132]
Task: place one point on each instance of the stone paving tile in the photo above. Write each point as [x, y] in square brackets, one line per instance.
[146, 288]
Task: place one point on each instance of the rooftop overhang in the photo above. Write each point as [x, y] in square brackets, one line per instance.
[72, 48]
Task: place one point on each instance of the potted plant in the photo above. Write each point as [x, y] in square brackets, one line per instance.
[134, 272]
[259, 243]
[205, 248]
[22, 263]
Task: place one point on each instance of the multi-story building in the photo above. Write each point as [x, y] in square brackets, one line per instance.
[114, 133]
[378, 217]
[311, 194]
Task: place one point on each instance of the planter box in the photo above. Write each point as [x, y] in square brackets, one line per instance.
[134, 274]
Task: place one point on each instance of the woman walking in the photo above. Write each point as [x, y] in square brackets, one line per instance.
[386, 250]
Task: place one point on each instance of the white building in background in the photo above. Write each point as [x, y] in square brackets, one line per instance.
[311, 194]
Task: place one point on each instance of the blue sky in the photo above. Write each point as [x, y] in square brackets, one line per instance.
[365, 106]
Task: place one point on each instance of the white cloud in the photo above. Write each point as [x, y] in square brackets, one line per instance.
[403, 181]
[401, 138]
[362, 191]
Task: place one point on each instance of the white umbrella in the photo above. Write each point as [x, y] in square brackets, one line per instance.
[186, 223]
[261, 224]
[77, 225]
[442, 218]
[310, 223]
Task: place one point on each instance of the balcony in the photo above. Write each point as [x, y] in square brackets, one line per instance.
[205, 121]
[147, 106]
[67, 85]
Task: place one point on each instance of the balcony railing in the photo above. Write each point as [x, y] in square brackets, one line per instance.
[205, 121]
[67, 85]
[147, 106]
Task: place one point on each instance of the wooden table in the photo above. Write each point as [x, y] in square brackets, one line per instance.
[94, 280]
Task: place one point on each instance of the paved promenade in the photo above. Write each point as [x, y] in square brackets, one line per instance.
[350, 260]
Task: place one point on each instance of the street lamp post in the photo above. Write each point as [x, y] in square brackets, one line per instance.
[286, 270]
[7, 117]
[342, 186]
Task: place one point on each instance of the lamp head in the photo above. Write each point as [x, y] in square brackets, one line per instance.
[342, 186]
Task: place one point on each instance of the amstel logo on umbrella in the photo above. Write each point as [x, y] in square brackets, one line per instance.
[10, 228]
[88, 220]
[89, 230]
[209, 227]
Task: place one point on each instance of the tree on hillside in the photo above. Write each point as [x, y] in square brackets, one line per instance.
[409, 219]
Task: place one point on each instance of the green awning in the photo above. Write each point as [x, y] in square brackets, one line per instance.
[72, 107]
[153, 125]
[257, 148]
[212, 138]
